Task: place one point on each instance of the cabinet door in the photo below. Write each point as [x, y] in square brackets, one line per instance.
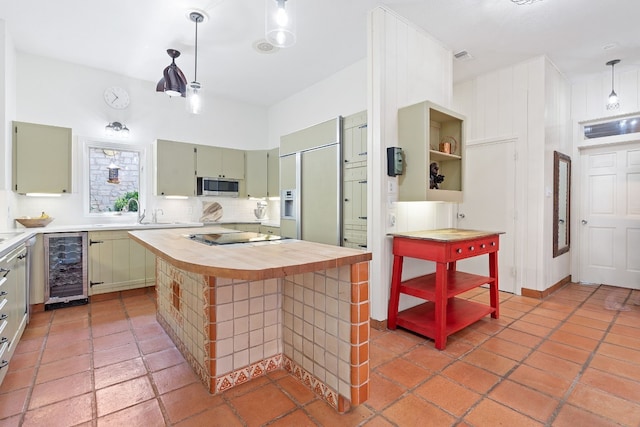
[256, 173]
[273, 173]
[41, 158]
[175, 169]
[116, 262]
[233, 163]
[209, 161]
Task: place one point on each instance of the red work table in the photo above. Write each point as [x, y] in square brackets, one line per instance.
[442, 314]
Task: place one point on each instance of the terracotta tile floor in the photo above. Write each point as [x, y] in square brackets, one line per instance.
[562, 361]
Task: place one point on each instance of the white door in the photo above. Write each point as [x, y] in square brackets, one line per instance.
[610, 216]
[489, 204]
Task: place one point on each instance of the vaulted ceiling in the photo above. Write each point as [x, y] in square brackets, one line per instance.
[130, 37]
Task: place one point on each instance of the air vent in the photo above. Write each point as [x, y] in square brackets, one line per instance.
[462, 55]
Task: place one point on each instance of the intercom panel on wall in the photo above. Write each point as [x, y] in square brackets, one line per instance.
[395, 162]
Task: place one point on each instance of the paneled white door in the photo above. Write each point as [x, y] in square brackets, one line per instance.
[489, 204]
[610, 216]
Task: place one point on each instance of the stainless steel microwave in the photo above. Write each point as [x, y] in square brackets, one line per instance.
[225, 187]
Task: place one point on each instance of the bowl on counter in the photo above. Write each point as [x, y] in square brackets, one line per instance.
[34, 222]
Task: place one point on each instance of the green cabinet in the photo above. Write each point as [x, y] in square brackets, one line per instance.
[175, 168]
[117, 263]
[263, 173]
[428, 133]
[218, 162]
[41, 158]
[354, 181]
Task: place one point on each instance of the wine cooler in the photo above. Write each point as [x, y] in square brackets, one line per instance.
[66, 269]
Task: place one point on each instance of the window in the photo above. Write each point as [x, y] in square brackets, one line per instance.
[114, 177]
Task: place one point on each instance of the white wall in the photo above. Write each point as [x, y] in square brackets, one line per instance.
[405, 66]
[342, 94]
[528, 102]
[7, 111]
[63, 94]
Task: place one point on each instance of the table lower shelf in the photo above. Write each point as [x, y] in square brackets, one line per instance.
[460, 314]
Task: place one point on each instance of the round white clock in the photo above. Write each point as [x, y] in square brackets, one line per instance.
[116, 97]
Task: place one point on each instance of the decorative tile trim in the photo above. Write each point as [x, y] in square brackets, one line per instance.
[250, 372]
[329, 395]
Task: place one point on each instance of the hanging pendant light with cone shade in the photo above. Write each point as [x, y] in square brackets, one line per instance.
[173, 82]
[613, 103]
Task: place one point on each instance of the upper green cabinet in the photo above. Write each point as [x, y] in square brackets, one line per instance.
[262, 173]
[41, 158]
[431, 135]
[175, 168]
[218, 162]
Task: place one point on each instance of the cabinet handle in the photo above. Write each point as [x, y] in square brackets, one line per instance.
[459, 251]
[482, 246]
[362, 217]
[363, 246]
[3, 293]
[95, 283]
[5, 271]
[364, 153]
[95, 242]
[362, 182]
[3, 316]
[346, 200]
[493, 243]
[3, 340]
[471, 248]
[22, 256]
[4, 363]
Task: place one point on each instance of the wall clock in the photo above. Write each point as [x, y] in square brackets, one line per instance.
[116, 97]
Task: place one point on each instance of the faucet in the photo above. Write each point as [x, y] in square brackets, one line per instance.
[127, 208]
[155, 215]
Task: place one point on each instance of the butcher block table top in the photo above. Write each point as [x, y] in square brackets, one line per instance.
[445, 234]
[249, 261]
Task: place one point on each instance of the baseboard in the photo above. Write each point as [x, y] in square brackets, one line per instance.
[380, 325]
[532, 293]
[38, 308]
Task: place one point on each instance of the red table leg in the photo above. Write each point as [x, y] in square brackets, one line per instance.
[441, 305]
[394, 297]
[493, 288]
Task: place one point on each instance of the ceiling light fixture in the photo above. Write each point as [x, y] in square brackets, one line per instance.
[523, 2]
[613, 103]
[194, 89]
[117, 129]
[280, 28]
[173, 81]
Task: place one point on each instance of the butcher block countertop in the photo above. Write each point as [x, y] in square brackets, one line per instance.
[250, 261]
[445, 234]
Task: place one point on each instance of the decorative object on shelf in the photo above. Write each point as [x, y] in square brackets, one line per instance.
[613, 102]
[117, 129]
[280, 28]
[448, 145]
[194, 95]
[116, 97]
[42, 221]
[435, 179]
[173, 81]
[523, 2]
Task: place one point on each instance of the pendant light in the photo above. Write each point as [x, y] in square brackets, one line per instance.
[280, 28]
[194, 89]
[613, 102]
[173, 82]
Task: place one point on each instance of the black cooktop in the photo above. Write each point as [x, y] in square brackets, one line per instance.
[231, 238]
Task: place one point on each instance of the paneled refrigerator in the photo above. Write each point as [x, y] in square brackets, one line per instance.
[310, 182]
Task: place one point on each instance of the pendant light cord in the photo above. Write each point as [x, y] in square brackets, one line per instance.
[195, 71]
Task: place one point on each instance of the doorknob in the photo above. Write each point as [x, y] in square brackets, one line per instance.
[584, 222]
[461, 215]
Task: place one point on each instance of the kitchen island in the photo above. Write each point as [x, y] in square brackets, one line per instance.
[237, 312]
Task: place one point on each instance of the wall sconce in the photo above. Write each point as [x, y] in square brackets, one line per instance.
[280, 28]
[117, 129]
[613, 102]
